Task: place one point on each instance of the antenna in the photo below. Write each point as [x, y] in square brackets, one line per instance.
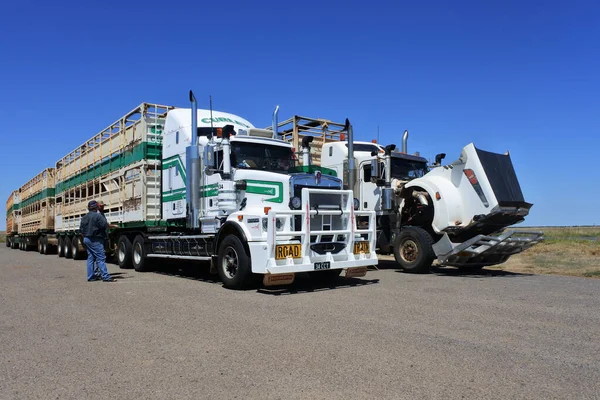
[212, 130]
[377, 133]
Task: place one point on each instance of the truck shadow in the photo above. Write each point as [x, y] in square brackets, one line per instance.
[481, 273]
[302, 284]
[305, 284]
[386, 264]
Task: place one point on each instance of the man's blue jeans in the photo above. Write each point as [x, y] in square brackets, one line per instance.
[95, 250]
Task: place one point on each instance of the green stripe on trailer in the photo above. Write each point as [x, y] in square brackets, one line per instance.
[143, 151]
[44, 194]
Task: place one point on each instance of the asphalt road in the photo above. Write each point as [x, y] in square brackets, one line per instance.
[180, 335]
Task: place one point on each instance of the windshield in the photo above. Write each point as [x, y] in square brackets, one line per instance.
[407, 169]
[262, 157]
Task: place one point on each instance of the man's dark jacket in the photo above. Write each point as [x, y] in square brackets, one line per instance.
[93, 225]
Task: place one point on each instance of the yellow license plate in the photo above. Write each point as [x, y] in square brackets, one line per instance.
[361, 247]
[287, 250]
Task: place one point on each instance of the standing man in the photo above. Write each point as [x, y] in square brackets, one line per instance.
[93, 228]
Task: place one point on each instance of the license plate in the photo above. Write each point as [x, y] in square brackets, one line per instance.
[283, 251]
[361, 247]
[322, 265]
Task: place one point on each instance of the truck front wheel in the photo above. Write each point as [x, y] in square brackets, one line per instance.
[233, 263]
[413, 249]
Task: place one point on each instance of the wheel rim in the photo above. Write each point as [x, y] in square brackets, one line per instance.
[409, 251]
[137, 254]
[121, 252]
[230, 262]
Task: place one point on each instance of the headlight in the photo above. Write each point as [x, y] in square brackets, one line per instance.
[279, 223]
[295, 203]
[356, 204]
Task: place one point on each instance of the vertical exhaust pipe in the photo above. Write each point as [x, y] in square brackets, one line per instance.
[351, 166]
[275, 122]
[405, 142]
[193, 171]
[306, 150]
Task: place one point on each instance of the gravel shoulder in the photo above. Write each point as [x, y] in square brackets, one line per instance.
[179, 334]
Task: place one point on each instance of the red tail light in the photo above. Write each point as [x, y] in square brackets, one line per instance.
[471, 176]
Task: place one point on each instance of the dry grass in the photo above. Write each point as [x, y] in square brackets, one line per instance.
[564, 251]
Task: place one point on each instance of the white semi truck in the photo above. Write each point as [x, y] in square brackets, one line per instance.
[205, 185]
[456, 213]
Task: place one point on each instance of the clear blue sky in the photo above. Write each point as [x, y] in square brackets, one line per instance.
[522, 76]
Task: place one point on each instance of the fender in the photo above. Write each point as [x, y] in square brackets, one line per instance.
[232, 227]
[449, 208]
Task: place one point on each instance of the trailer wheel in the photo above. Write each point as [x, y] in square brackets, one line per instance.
[47, 247]
[8, 242]
[61, 246]
[124, 252]
[40, 246]
[139, 260]
[233, 263]
[67, 247]
[76, 244]
[13, 244]
[413, 250]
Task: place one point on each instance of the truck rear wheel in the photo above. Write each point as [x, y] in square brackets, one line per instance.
[413, 250]
[67, 247]
[61, 246]
[14, 244]
[7, 242]
[233, 263]
[76, 248]
[124, 250]
[46, 248]
[140, 262]
[40, 245]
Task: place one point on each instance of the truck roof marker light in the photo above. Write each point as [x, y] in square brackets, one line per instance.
[240, 218]
[437, 196]
[374, 141]
[266, 210]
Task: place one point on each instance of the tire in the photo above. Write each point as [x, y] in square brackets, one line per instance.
[61, 246]
[325, 276]
[124, 249]
[7, 242]
[413, 250]
[138, 255]
[40, 245]
[76, 244]
[14, 245]
[233, 263]
[67, 247]
[47, 247]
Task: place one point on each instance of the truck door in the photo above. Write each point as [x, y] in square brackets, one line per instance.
[370, 193]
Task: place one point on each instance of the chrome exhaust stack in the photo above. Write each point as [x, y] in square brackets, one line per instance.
[192, 193]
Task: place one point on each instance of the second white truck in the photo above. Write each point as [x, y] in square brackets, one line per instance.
[456, 213]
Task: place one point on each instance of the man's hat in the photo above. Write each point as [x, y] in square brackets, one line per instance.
[92, 205]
